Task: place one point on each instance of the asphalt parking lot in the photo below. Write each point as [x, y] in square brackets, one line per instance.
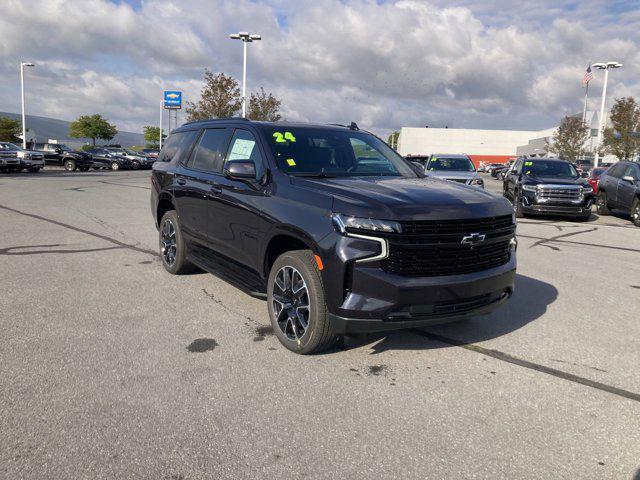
[112, 368]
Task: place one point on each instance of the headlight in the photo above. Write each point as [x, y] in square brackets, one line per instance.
[344, 223]
[530, 188]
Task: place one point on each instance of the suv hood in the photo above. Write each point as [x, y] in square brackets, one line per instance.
[395, 198]
[535, 180]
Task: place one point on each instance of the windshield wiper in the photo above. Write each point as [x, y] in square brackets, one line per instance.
[313, 175]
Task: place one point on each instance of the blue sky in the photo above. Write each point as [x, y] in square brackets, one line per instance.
[482, 64]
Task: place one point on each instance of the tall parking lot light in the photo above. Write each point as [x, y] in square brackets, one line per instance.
[606, 67]
[161, 107]
[246, 37]
[24, 125]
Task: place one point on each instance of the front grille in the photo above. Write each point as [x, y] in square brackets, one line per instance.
[407, 260]
[433, 248]
[559, 194]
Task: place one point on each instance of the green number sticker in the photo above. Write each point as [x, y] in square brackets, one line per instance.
[528, 164]
[289, 136]
[280, 138]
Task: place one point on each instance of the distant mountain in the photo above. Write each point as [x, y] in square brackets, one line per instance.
[51, 128]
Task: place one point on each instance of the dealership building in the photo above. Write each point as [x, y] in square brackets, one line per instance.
[487, 146]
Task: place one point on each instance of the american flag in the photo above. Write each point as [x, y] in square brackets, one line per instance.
[588, 75]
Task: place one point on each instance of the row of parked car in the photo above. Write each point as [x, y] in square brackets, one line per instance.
[548, 186]
[15, 159]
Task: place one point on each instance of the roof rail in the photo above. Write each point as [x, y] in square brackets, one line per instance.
[352, 126]
[226, 119]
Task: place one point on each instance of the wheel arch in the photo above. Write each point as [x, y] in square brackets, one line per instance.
[165, 204]
[283, 240]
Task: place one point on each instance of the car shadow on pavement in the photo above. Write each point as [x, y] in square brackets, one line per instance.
[529, 302]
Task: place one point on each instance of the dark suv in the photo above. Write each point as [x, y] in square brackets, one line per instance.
[60, 154]
[619, 187]
[548, 186]
[333, 227]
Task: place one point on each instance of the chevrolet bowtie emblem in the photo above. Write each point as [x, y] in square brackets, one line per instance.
[473, 239]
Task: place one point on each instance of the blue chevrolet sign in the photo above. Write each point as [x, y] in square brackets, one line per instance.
[172, 99]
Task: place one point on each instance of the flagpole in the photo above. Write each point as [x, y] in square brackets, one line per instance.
[584, 111]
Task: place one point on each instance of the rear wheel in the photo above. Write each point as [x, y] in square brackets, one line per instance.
[173, 249]
[602, 205]
[297, 305]
[70, 165]
[635, 212]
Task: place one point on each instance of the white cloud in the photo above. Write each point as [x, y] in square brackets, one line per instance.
[383, 65]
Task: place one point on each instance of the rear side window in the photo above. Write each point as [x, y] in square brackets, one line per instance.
[616, 170]
[631, 171]
[177, 145]
[208, 155]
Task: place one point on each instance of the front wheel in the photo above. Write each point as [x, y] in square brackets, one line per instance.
[135, 165]
[297, 305]
[602, 205]
[115, 166]
[635, 212]
[517, 206]
[70, 165]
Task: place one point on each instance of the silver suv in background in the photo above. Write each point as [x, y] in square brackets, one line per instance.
[454, 167]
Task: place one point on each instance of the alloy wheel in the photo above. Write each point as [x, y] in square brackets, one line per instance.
[290, 302]
[168, 247]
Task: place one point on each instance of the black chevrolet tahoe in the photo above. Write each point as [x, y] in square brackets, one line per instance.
[337, 231]
[547, 186]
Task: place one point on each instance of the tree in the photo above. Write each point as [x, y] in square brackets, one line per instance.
[152, 136]
[9, 129]
[219, 98]
[621, 138]
[264, 106]
[568, 140]
[92, 126]
[392, 140]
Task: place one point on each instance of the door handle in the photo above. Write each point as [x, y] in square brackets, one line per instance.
[181, 181]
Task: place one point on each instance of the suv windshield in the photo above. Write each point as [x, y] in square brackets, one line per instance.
[544, 168]
[456, 164]
[308, 151]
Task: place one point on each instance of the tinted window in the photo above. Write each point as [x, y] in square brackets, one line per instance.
[243, 146]
[455, 164]
[176, 146]
[546, 168]
[631, 171]
[209, 153]
[616, 170]
[335, 152]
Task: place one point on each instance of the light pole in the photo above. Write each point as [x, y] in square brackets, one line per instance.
[606, 67]
[24, 126]
[246, 37]
[161, 105]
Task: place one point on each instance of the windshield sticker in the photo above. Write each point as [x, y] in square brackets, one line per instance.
[528, 164]
[289, 136]
[291, 162]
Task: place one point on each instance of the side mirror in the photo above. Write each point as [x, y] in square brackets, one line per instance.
[629, 178]
[240, 169]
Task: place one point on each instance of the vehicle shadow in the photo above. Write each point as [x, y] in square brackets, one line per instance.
[64, 173]
[529, 302]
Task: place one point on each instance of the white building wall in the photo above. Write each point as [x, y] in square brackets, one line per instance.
[416, 141]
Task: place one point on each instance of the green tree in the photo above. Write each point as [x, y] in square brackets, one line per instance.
[219, 98]
[392, 140]
[92, 126]
[568, 140]
[264, 106]
[152, 136]
[621, 138]
[10, 129]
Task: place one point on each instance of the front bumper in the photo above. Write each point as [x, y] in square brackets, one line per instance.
[373, 299]
[531, 206]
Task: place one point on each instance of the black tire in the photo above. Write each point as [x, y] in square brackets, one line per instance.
[517, 206]
[70, 165]
[176, 263]
[602, 205]
[287, 309]
[115, 166]
[135, 165]
[635, 212]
